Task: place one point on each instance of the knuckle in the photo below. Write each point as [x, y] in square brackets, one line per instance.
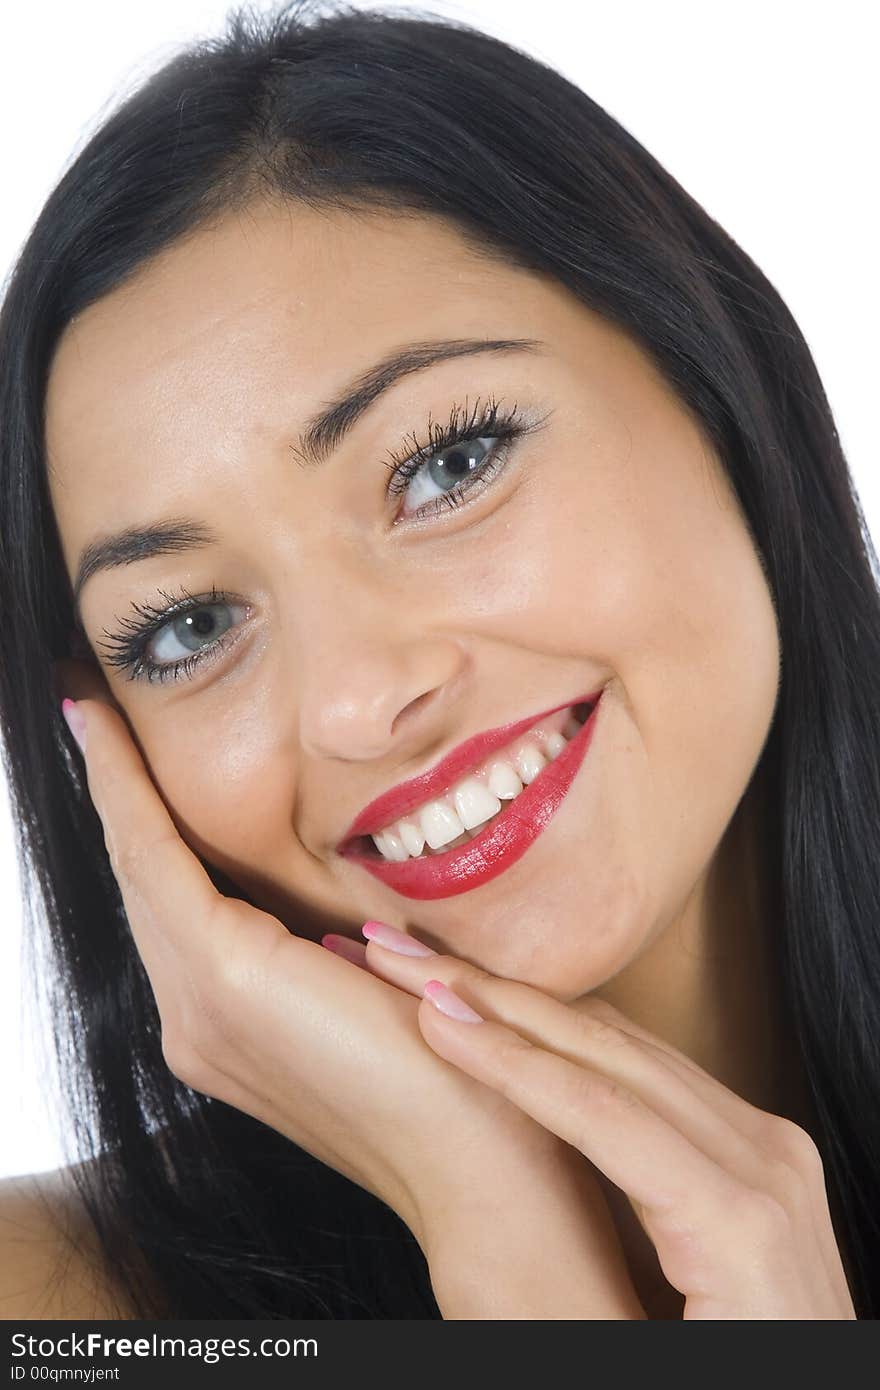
[223, 1003]
[586, 1096]
[795, 1147]
[613, 1094]
[451, 970]
[217, 971]
[211, 1011]
[510, 1055]
[602, 1022]
[193, 1049]
[758, 1215]
[205, 1030]
[586, 1093]
[181, 1060]
[789, 1187]
[602, 1011]
[600, 1030]
[796, 1172]
[507, 1000]
[512, 1050]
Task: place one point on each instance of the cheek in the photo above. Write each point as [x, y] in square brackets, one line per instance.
[692, 637]
[670, 602]
[643, 566]
[226, 782]
[539, 577]
[232, 794]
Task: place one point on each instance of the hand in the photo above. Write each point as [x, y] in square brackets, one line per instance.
[331, 1056]
[732, 1197]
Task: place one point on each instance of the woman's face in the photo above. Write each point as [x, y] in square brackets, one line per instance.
[367, 635]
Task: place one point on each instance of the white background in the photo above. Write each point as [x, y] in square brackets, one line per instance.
[766, 113]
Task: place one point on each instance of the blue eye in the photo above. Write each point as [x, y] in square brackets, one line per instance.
[465, 454]
[469, 464]
[192, 629]
[149, 648]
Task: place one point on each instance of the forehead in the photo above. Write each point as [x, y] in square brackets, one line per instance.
[196, 375]
[238, 331]
[264, 290]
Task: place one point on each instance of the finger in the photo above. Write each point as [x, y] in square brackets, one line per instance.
[769, 1133]
[760, 1148]
[736, 1135]
[691, 1226]
[680, 1191]
[585, 1037]
[170, 901]
[345, 947]
[740, 1112]
[407, 962]
[403, 959]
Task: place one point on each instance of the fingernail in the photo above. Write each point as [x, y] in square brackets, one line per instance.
[344, 946]
[444, 999]
[394, 940]
[75, 722]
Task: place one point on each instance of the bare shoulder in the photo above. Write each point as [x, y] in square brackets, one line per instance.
[49, 1265]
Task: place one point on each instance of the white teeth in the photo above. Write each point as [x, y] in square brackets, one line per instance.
[474, 802]
[391, 846]
[411, 834]
[503, 781]
[529, 762]
[554, 745]
[440, 824]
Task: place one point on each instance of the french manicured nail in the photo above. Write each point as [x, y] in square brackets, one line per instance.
[344, 946]
[75, 722]
[394, 940]
[443, 998]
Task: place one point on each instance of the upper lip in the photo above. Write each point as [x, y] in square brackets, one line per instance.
[392, 805]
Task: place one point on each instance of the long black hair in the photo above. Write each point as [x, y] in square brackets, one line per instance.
[202, 1211]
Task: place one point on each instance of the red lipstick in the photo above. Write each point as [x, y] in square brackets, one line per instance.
[504, 840]
[406, 796]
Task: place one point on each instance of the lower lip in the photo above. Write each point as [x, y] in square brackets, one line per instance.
[502, 843]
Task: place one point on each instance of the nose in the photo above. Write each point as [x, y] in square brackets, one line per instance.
[367, 677]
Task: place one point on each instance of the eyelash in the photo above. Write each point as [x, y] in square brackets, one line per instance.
[505, 426]
[127, 649]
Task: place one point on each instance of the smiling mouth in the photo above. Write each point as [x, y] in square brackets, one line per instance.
[478, 801]
[499, 843]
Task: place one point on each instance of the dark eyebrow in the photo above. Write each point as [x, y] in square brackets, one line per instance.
[325, 431]
[321, 436]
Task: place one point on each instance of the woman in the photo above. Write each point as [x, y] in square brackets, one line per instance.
[388, 439]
